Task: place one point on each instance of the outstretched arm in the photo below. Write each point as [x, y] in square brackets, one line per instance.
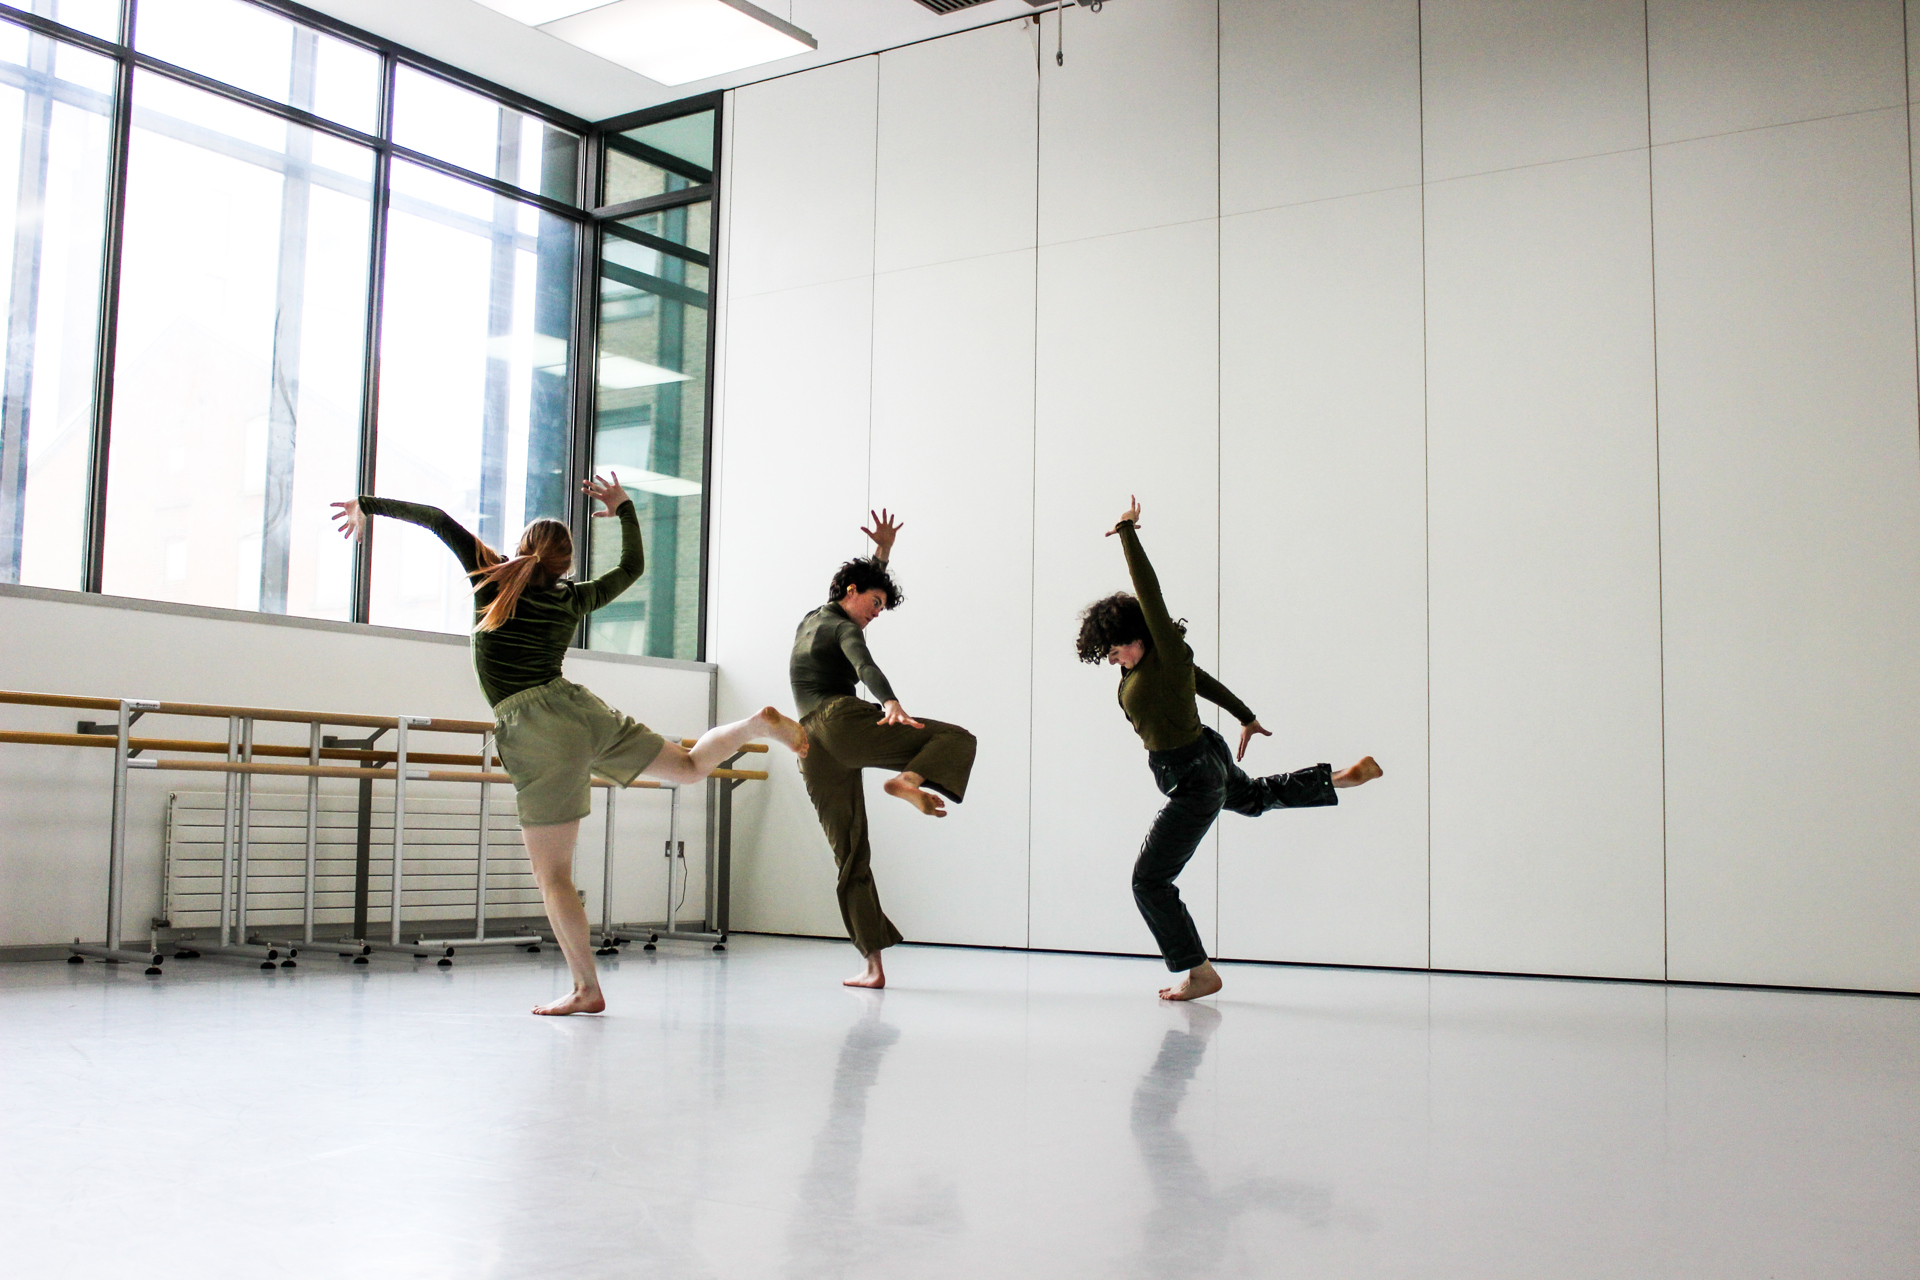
[1146, 588]
[352, 518]
[1221, 696]
[633, 557]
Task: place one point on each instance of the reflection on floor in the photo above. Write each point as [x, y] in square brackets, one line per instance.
[994, 1114]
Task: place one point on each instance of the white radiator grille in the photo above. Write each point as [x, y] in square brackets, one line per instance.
[442, 840]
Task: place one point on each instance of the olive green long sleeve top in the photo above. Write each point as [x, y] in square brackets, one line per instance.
[829, 657]
[1157, 695]
[527, 650]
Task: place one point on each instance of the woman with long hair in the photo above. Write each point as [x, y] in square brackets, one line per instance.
[553, 735]
[1191, 763]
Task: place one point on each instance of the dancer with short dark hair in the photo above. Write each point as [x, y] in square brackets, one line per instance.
[554, 736]
[1191, 763]
[849, 734]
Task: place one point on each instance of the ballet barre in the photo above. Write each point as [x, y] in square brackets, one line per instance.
[239, 766]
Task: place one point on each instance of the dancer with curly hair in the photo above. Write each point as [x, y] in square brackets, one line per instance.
[849, 734]
[553, 735]
[1191, 762]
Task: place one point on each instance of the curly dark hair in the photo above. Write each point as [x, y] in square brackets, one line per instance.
[863, 575]
[1116, 620]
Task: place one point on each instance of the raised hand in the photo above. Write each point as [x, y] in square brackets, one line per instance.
[1247, 731]
[885, 530]
[352, 521]
[608, 491]
[1131, 515]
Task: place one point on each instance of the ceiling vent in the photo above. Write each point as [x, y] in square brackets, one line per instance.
[949, 6]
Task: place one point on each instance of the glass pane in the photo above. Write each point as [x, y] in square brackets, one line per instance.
[95, 17]
[689, 224]
[258, 50]
[669, 156]
[440, 119]
[473, 383]
[236, 412]
[55, 101]
[688, 137]
[650, 427]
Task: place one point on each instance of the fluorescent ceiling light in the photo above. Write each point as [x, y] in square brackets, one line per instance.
[535, 12]
[677, 41]
[647, 481]
[624, 372]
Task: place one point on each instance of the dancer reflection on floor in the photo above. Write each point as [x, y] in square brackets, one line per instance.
[1191, 763]
[824, 1239]
[1187, 1229]
[553, 735]
[849, 734]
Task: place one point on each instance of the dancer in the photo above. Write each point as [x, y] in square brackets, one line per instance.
[1190, 762]
[553, 735]
[848, 734]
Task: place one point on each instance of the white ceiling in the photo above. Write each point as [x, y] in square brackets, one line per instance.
[477, 39]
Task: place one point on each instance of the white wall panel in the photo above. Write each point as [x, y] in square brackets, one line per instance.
[1544, 572]
[1317, 99]
[791, 474]
[1721, 65]
[1129, 127]
[1514, 82]
[953, 457]
[958, 135]
[803, 178]
[1323, 610]
[1127, 404]
[1791, 513]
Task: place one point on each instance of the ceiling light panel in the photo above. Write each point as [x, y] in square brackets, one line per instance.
[676, 42]
[535, 12]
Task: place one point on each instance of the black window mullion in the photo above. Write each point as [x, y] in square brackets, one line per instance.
[648, 204]
[370, 351]
[94, 544]
[713, 382]
[660, 244]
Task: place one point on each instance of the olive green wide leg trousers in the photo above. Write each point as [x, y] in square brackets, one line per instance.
[846, 737]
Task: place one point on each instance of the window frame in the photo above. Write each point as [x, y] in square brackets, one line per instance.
[606, 220]
[589, 219]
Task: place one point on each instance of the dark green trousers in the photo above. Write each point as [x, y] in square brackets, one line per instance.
[846, 737]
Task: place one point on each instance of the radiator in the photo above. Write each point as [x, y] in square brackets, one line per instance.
[442, 838]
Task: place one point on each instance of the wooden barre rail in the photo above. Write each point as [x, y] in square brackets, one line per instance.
[307, 770]
[249, 713]
[260, 748]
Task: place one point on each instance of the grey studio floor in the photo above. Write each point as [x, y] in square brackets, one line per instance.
[994, 1114]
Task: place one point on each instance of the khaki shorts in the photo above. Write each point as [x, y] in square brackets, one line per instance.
[554, 738]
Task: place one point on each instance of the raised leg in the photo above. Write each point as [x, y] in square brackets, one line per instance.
[550, 849]
[681, 765]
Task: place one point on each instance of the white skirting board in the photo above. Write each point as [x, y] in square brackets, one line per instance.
[441, 846]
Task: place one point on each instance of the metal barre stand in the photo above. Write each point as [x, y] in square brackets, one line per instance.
[715, 922]
[240, 763]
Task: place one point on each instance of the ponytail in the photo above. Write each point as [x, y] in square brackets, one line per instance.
[544, 556]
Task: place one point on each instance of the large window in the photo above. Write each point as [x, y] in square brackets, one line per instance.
[56, 105]
[261, 262]
[651, 386]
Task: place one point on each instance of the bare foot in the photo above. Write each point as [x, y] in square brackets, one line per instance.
[1363, 770]
[1200, 981]
[907, 787]
[873, 976]
[576, 1002]
[786, 732]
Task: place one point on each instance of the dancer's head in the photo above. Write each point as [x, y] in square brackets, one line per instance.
[544, 556]
[1115, 630]
[865, 589]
